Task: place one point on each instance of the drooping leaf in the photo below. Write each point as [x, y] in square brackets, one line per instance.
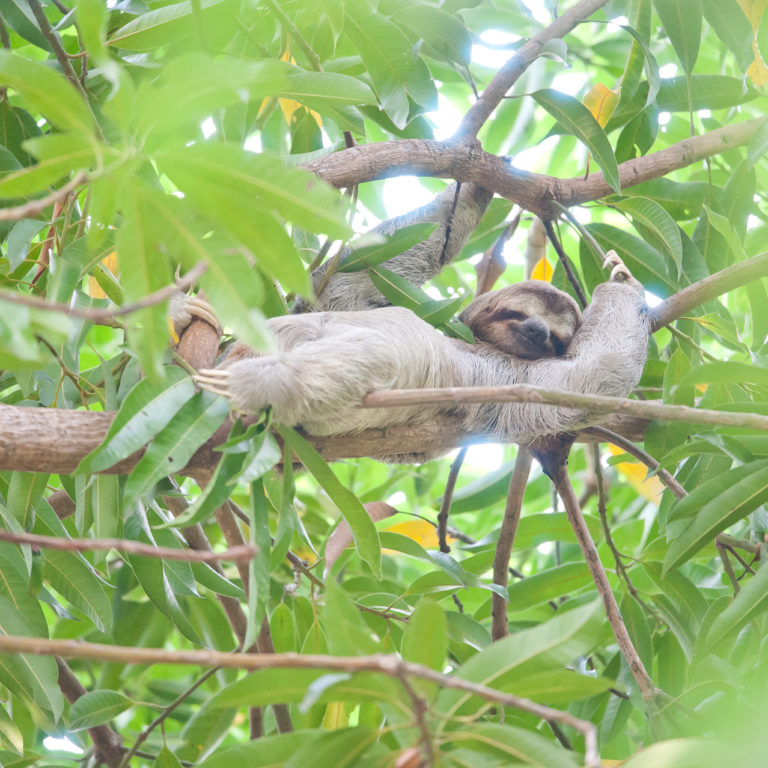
[575, 118]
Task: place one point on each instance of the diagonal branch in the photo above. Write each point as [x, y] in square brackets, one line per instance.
[507, 76]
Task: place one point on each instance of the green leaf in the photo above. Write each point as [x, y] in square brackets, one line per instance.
[24, 493]
[555, 642]
[424, 641]
[707, 92]
[234, 288]
[340, 748]
[397, 289]
[19, 17]
[514, 745]
[32, 678]
[749, 603]
[575, 118]
[440, 30]
[96, 708]
[654, 219]
[16, 126]
[175, 444]
[162, 26]
[154, 581]
[147, 408]
[46, 91]
[258, 567]
[717, 504]
[538, 588]
[644, 261]
[388, 57]
[363, 530]
[15, 584]
[10, 733]
[144, 268]
[682, 23]
[266, 752]
[262, 180]
[403, 239]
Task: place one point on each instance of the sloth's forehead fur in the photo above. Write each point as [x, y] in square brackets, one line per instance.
[531, 298]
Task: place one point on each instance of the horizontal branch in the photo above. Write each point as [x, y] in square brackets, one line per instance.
[524, 393]
[467, 161]
[389, 665]
[235, 554]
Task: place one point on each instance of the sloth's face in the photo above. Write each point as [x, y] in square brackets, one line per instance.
[530, 320]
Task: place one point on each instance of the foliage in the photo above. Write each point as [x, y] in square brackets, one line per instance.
[190, 121]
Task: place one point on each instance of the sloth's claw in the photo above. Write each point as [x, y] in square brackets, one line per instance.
[214, 380]
[619, 271]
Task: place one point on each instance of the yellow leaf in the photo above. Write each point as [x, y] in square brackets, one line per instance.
[109, 262]
[335, 716]
[754, 10]
[288, 106]
[636, 474]
[542, 271]
[602, 102]
[421, 531]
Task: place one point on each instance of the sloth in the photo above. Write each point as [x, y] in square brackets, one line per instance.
[528, 333]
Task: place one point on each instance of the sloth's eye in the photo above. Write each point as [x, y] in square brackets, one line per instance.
[511, 314]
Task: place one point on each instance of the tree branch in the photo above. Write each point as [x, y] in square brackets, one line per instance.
[467, 161]
[244, 552]
[392, 666]
[33, 207]
[507, 76]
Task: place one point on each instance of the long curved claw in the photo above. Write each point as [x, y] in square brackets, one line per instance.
[619, 270]
[201, 309]
[214, 380]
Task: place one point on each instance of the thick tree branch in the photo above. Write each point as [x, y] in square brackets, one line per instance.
[55, 440]
[467, 161]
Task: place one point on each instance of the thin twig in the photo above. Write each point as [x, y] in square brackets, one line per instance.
[420, 711]
[524, 393]
[445, 507]
[566, 263]
[608, 436]
[293, 30]
[722, 550]
[242, 553]
[160, 719]
[392, 666]
[33, 207]
[105, 315]
[602, 509]
[56, 46]
[554, 463]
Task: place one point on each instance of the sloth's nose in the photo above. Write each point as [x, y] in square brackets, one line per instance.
[536, 330]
